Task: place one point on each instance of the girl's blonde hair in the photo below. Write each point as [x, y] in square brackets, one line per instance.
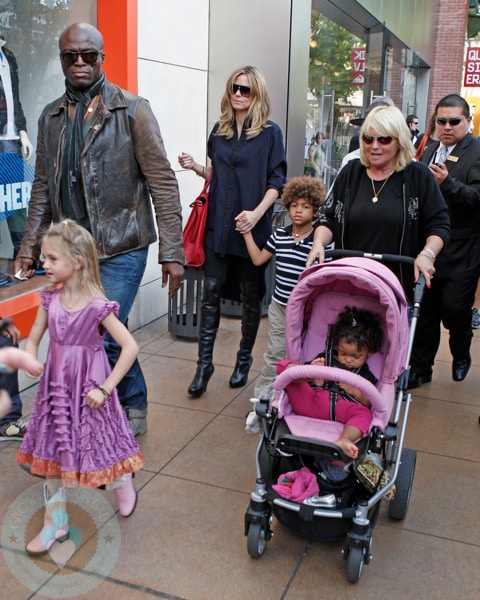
[258, 112]
[388, 121]
[73, 240]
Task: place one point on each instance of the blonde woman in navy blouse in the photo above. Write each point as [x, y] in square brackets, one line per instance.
[249, 170]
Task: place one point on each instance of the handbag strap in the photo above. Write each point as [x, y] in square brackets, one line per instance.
[207, 181]
[202, 198]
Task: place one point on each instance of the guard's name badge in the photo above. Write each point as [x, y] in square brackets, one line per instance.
[452, 158]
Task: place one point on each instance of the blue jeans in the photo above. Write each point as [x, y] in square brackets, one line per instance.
[121, 276]
[10, 383]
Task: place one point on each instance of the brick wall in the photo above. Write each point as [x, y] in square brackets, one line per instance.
[449, 39]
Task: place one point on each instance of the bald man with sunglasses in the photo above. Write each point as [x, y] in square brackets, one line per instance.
[101, 161]
[455, 164]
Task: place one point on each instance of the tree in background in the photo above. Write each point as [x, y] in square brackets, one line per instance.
[330, 73]
[330, 47]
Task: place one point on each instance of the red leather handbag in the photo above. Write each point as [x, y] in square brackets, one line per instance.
[194, 232]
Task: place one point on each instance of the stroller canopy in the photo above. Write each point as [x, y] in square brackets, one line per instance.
[323, 291]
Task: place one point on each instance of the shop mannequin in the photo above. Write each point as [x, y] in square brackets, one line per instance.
[13, 137]
[13, 125]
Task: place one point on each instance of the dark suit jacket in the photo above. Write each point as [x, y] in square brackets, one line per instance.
[461, 190]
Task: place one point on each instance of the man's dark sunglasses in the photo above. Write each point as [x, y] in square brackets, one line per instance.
[383, 140]
[245, 91]
[89, 57]
[452, 122]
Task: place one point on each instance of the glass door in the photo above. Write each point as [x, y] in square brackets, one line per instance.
[335, 95]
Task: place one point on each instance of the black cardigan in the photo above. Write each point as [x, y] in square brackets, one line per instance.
[424, 209]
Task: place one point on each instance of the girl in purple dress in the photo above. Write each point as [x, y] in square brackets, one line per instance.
[78, 434]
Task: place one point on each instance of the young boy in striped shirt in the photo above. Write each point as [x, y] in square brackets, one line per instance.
[302, 197]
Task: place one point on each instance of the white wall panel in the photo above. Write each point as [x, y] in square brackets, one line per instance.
[250, 33]
[179, 100]
[174, 32]
[172, 75]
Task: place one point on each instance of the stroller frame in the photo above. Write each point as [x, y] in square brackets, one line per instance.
[353, 523]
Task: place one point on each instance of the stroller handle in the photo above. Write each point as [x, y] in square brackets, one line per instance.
[383, 257]
[419, 287]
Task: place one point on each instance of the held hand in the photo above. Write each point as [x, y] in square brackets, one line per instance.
[13, 358]
[95, 398]
[34, 373]
[440, 172]
[176, 273]
[317, 252]
[424, 266]
[12, 332]
[246, 221]
[355, 393]
[186, 160]
[320, 360]
[24, 267]
[349, 389]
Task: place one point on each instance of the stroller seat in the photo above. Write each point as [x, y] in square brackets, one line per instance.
[317, 435]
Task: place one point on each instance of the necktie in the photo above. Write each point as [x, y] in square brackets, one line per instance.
[442, 154]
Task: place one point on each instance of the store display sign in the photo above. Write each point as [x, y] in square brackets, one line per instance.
[357, 65]
[16, 178]
[472, 68]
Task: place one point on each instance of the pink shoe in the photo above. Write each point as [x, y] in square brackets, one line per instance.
[126, 497]
[55, 524]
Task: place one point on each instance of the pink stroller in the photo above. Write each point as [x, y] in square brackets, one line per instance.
[347, 505]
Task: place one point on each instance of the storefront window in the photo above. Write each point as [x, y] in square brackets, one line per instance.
[335, 95]
[30, 77]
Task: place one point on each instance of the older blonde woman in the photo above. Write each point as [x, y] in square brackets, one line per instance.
[385, 202]
[249, 169]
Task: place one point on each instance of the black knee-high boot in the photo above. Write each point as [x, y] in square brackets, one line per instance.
[209, 320]
[251, 314]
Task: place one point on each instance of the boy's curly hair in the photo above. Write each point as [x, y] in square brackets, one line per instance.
[361, 327]
[308, 188]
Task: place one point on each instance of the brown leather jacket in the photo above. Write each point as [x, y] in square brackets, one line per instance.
[123, 162]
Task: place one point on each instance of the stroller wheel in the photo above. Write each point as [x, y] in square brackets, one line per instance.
[354, 564]
[399, 505]
[256, 540]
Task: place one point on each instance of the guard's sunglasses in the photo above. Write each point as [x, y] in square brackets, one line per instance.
[453, 122]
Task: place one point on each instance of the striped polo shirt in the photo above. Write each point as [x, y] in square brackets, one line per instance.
[290, 257]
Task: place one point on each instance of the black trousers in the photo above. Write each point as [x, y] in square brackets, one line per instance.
[233, 270]
[448, 301]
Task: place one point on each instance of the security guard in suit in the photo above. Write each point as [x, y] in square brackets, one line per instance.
[455, 163]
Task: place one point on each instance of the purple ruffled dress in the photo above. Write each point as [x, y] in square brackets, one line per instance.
[66, 438]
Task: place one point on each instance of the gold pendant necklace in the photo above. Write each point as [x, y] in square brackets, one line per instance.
[303, 233]
[72, 306]
[375, 193]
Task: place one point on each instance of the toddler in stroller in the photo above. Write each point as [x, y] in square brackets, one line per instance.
[356, 335]
[347, 504]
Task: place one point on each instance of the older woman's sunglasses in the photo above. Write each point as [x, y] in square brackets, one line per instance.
[244, 90]
[383, 140]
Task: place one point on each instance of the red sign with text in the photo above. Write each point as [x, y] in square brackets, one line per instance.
[357, 65]
[472, 68]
